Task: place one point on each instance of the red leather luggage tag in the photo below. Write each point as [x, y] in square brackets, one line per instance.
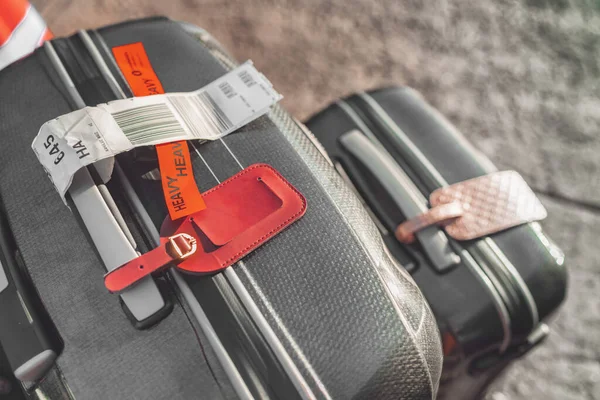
[241, 214]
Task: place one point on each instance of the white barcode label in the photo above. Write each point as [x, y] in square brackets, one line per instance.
[247, 78]
[75, 140]
[227, 90]
[154, 121]
[209, 113]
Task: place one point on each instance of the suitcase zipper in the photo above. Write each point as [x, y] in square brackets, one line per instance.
[507, 279]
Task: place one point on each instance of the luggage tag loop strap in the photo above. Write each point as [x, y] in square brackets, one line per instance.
[173, 251]
[439, 215]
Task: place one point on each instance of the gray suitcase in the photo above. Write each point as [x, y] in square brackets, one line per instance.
[321, 311]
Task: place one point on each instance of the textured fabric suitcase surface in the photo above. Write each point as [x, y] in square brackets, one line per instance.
[320, 311]
[491, 299]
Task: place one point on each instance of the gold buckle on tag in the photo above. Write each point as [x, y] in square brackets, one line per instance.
[182, 246]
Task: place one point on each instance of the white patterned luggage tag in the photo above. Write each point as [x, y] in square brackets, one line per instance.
[478, 207]
[72, 141]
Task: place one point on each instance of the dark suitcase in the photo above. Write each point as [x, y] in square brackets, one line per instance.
[320, 311]
[7, 381]
[491, 296]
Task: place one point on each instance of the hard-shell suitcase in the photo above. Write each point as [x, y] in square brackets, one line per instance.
[7, 380]
[490, 296]
[320, 311]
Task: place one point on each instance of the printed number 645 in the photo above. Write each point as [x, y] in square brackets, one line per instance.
[51, 145]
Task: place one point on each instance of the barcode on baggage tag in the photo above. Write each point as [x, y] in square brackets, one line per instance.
[247, 78]
[148, 123]
[217, 109]
[227, 90]
[203, 117]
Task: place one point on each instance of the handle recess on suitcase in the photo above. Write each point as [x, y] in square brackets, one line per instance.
[405, 194]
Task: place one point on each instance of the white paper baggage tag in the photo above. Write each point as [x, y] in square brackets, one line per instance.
[72, 141]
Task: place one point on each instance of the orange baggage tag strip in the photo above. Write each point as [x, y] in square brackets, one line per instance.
[137, 70]
[179, 186]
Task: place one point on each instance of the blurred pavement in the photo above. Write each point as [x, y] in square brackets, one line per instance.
[521, 79]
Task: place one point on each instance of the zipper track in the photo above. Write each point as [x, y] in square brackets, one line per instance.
[500, 270]
[305, 391]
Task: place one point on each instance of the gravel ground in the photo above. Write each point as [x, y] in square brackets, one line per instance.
[519, 78]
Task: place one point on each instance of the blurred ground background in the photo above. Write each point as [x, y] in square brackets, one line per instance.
[521, 79]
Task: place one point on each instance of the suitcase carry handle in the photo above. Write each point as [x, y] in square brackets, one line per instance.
[113, 245]
[404, 193]
[403, 254]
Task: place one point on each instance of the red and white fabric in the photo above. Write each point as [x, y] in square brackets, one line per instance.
[22, 29]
